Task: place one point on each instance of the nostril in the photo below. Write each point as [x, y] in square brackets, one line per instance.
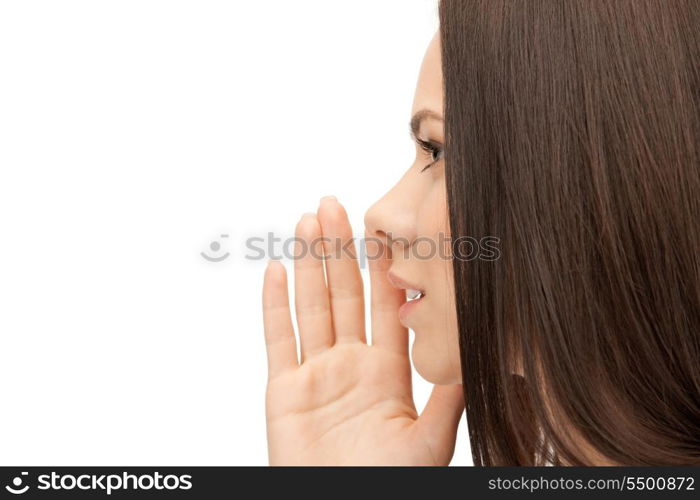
[377, 246]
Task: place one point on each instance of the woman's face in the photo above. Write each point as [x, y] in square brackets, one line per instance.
[413, 219]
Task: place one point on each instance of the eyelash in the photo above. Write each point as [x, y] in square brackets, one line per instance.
[432, 149]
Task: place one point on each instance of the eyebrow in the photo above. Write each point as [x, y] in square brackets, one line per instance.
[417, 119]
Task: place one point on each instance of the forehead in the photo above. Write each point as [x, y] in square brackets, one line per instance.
[429, 87]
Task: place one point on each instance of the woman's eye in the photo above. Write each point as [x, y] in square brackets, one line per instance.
[436, 154]
[435, 151]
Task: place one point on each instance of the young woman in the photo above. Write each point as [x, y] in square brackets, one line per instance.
[570, 132]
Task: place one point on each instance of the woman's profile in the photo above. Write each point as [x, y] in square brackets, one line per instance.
[568, 134]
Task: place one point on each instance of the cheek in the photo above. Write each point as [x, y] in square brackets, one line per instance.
[433, 215]
[435, 351]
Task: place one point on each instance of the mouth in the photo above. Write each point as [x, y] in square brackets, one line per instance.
[414, 296]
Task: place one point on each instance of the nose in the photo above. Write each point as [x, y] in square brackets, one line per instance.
[392, 219]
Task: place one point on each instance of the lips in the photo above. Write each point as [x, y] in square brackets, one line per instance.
[414, 296]
[412, 289]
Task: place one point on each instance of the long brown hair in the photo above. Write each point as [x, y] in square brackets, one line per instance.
[573, 135]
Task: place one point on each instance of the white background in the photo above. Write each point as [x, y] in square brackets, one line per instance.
[134, 133]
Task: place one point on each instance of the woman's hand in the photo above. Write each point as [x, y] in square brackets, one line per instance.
[347, 402]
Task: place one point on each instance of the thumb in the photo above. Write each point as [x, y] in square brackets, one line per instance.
[439, 421]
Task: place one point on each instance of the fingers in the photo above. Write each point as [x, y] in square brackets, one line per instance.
[277, 321]
[387, 330]
[312, 303]
[326, 313]
[440, 419]
[343, 273]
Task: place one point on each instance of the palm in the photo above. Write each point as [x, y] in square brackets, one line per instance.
[347, 402]
[351, 398]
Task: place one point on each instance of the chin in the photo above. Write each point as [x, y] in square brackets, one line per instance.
[433, 364]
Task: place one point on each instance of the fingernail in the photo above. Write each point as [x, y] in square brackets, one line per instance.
[329, 198]
[308, 214]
